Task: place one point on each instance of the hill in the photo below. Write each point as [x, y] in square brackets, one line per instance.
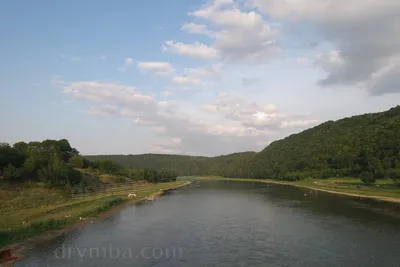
[225, 165]
[366, 146]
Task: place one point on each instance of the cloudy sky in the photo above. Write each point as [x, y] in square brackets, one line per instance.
[191, 77]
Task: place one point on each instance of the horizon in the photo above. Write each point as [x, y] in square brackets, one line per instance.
[205, 78]
[202, 156]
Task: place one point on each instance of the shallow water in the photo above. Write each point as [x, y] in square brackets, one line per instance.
[223, 223]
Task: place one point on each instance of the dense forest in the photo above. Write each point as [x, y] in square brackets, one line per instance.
[56, 164]
[365, 146]
[226, 165]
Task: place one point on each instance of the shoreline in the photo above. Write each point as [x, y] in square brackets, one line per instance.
[19, 248]
[376, 198]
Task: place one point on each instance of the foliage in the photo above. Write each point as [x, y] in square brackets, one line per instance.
[359, 146]
[162, 176]
[367, 177]
[77, 162]
[45, 161]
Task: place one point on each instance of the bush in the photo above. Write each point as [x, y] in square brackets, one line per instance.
[367, 178]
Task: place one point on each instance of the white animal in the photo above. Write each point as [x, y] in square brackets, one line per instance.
[132, 195]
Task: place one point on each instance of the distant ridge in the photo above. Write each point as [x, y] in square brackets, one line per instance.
[367, 144]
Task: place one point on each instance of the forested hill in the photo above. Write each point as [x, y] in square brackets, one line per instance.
[184, 165]
[366, 146]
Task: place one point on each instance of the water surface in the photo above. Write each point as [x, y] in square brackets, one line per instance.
[223, 223]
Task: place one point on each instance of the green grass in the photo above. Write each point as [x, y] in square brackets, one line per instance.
[41, 226]
[48, 209]
[384, 188]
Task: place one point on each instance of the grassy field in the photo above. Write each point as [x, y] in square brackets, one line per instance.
[382, 189]
[31, 210]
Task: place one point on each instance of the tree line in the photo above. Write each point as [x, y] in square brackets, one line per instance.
[365, 146]
[57, 164]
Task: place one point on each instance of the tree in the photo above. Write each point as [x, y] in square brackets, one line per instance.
[394, 174]
[12, 173]
[77, 162]
[367, 178]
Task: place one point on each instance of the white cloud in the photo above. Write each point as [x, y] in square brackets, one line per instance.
[111, 94]
[198, 75]
[185, 80]
[299, 123]
[158, 68]
[365, 33]
[252, 116]
[196, 50]
[237, 35]
[105, 110]
[196, 29]
[385, 80]
[232, 127]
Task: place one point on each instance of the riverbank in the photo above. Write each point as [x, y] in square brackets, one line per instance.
[50, 221]
[383, 190]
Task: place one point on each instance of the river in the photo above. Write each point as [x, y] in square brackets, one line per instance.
[224, 223]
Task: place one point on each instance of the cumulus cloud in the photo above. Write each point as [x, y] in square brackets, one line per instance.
[105, 110]
[186, 80]
[236, 35]
[364, 34]
[233, 124]
[198, 75]
[196, 50]
[157, 68]
[126, 97]
[253, 116]
[195, 28]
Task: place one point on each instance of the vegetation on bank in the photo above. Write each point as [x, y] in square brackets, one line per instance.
[365, 146]
[56, 164]
[39, 182]
[384, 189]
[33, 209]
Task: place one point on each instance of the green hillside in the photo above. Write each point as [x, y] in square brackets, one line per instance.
[366, 146]
[227, 165]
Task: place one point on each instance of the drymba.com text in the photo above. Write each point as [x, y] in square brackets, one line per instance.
[111, 252]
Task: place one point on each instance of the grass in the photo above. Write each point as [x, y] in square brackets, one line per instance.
[383, 189]
[47, 209]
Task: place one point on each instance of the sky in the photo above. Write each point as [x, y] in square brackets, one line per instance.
[191, 77]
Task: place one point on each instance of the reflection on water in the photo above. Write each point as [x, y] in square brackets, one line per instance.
[234, 224]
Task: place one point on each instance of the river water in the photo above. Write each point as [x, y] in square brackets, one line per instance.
[222, 223]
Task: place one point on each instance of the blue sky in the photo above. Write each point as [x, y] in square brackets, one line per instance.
[189, 77]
